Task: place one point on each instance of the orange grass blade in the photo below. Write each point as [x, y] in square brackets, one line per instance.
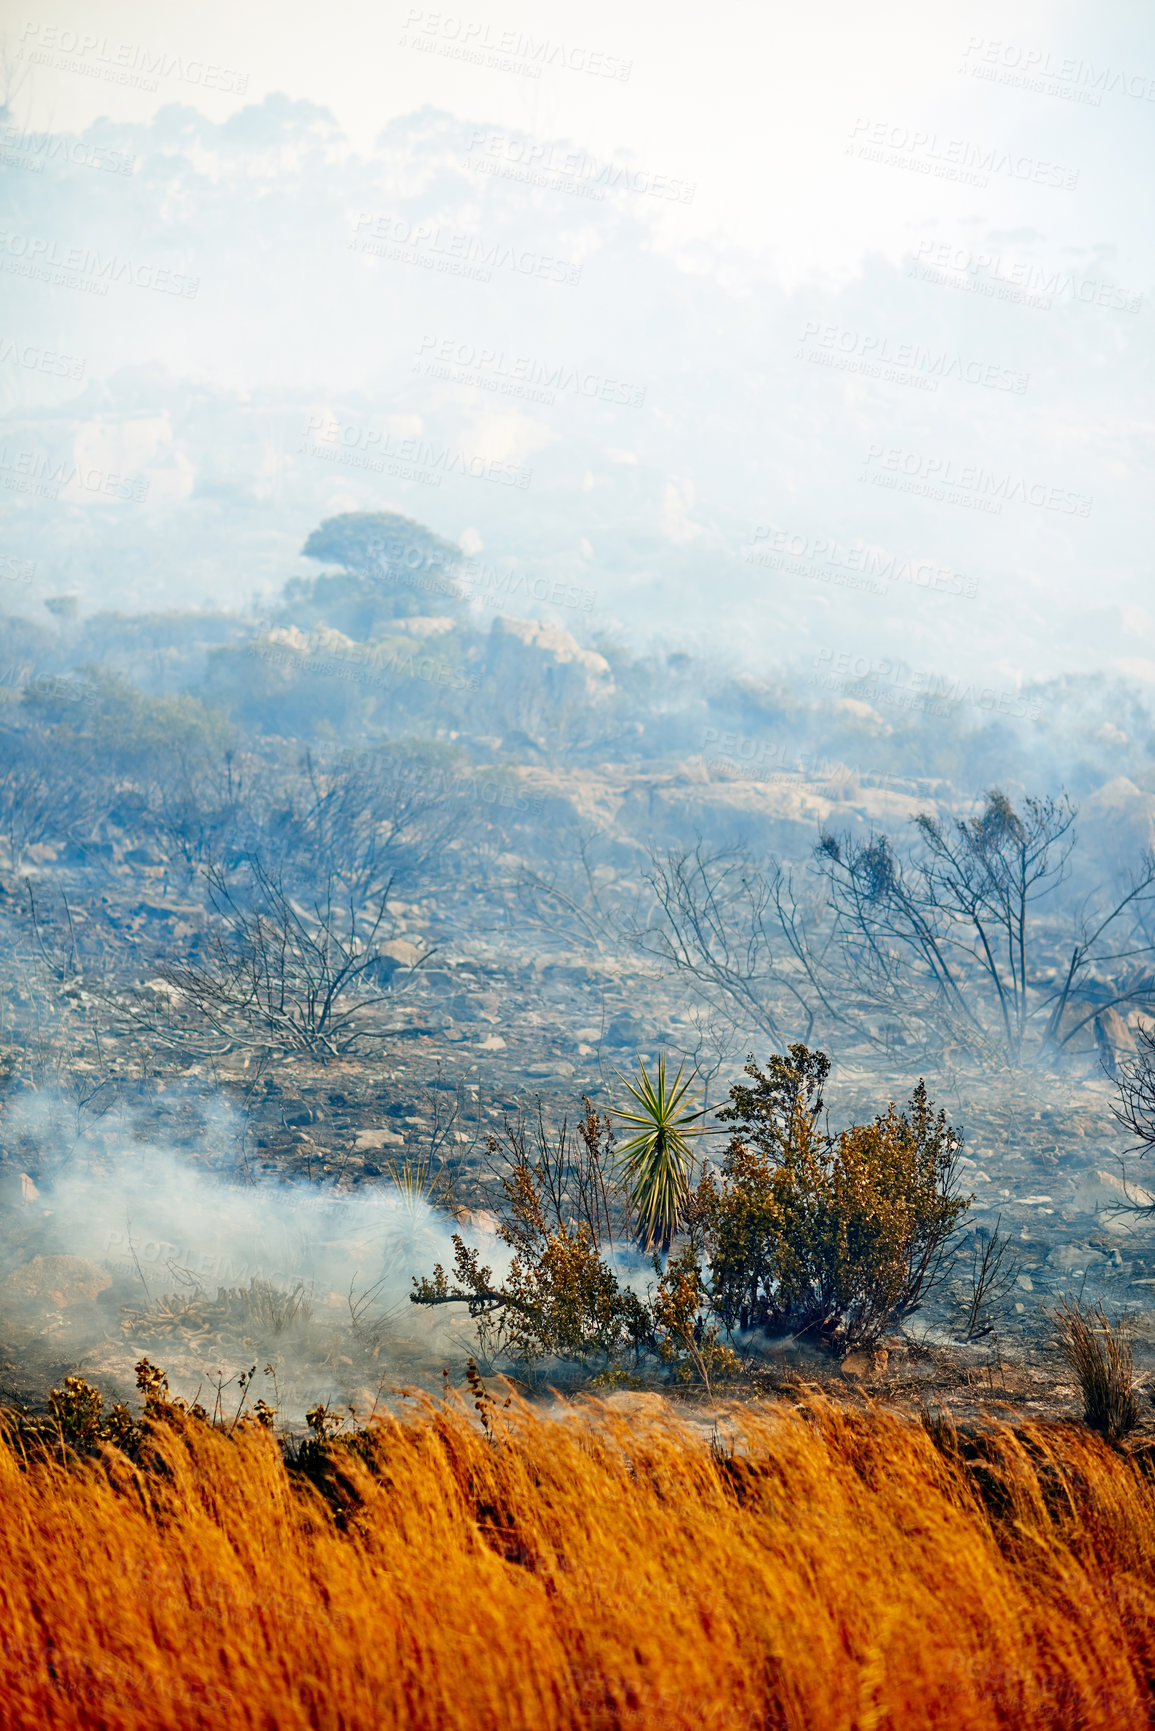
[838, 1571]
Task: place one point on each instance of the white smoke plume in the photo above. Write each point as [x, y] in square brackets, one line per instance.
[124, 1234]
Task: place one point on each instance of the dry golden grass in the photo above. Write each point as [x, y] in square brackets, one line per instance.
[601, 1570]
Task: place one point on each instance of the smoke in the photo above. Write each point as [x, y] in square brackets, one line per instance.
[130, 1247]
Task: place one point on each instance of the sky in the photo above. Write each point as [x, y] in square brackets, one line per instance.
[821, 335]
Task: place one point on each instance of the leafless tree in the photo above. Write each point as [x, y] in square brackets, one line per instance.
[576, 899]
[950, 933]
[755, 949]
[281, 972]
[198, 802]
[47, 791]
[993, 1271]
[570, 1168]
[373, 818]
[714, 1044]
[1135, 1105]
[1124, 920]
[369, 817]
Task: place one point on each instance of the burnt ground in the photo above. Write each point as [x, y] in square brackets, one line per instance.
[93, 1061]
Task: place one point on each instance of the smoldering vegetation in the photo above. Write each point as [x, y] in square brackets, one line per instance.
[300, 909]
[132, 1248]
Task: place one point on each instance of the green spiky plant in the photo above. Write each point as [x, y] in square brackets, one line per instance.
[656, 1162]
[415, 1178]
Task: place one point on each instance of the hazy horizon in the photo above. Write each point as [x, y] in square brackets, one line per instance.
[792, 339]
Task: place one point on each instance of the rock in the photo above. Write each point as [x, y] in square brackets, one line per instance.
[481, 1220]
[164, 989]
[625, 1031]
[1108, 1196]
[1116, 1030]
[862, 1365]
[529, 653]
[17, 1190]
[434, 979]
[1114, 1040]
[776, 814]
[636, 1404]
[403, 951]
[58, 1281]
[566, 973]
[1118, 822]
[1066, 1256]
[376, 1139]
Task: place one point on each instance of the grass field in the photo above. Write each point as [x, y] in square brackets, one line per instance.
[813, 1568]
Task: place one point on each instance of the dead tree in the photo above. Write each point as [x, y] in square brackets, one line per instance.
[199, 804]
[1135, 1081]
[284, 973]
[579, 901]
[1093, 969]
[373, 818]
[48, 789]
[950, 933]
[571, 1170]
[738, 929]
[992, 1274]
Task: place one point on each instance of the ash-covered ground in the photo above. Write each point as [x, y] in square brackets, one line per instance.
[184, 1175]
[220, 1215]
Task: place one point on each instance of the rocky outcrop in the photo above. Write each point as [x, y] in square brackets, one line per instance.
[783, 815]
[546, 684]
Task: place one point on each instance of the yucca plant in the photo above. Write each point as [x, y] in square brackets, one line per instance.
[656, 1162]
[414, 1177]
[417, 1180]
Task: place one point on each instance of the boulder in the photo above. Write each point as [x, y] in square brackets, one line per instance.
[17, 1190]
[1121, 816]
[1114, 1040]
[375, 1139]
[1067, 1256]
[861, 1366]
[403, 951]
[625, 1030]
[540, 672]
[1113, 1200]
[635, 1404]
[551, 652]
[1116, 1030]
[478, 1220]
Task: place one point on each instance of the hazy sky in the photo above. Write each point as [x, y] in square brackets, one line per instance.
[858, 304]
[754, 103]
